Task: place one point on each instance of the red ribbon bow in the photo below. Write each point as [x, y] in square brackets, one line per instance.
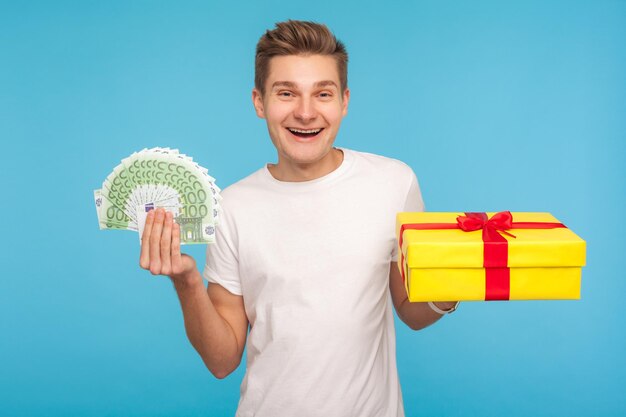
[496, 247]
[501, 221]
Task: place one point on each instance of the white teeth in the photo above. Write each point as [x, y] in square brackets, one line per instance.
[304, 131]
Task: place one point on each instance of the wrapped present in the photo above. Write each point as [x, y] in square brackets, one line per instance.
[487, 256]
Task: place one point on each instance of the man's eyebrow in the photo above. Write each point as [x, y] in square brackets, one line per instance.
[326, 83]
[287, 84]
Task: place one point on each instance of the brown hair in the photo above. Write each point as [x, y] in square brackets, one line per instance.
[296, 37]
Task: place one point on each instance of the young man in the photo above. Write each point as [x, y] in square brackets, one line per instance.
[305, 253]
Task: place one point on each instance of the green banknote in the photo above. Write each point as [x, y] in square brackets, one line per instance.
[160, 177]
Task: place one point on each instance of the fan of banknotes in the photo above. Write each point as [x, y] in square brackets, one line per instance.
[155, 178]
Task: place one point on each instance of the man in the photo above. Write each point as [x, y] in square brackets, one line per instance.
[305, 251]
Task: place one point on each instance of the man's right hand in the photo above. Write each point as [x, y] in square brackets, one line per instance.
[160, 248]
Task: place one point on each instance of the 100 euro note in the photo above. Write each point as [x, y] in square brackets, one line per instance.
[160, 177]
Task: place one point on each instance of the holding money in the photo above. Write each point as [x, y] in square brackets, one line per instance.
[160, 178]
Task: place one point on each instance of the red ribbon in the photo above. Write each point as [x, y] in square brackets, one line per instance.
[496, 247]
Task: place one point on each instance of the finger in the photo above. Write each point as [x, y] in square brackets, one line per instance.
[166, 242]
[155, 242]
[177, 261]
[144, 257]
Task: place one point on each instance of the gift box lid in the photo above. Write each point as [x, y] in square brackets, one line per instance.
[456, 248]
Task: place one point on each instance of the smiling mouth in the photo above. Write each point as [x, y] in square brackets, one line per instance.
[305, 133]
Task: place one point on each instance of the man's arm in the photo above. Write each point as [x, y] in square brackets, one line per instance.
[215, 319]
[415, 315]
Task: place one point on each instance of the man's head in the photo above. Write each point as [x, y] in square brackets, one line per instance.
[301, 92]
[295, 37]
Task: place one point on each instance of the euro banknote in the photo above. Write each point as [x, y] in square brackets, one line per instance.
[160, 177]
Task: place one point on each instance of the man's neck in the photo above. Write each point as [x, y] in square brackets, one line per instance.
[293, 172]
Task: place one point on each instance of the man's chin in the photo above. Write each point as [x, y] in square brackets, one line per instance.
[309, 158]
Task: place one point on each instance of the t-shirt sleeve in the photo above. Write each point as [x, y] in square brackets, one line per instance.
[413, 202]
[222, 259]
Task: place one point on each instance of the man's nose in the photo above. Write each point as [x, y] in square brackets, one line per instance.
[305, 109]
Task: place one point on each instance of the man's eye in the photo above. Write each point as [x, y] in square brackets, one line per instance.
[325, 94]
[285, 93]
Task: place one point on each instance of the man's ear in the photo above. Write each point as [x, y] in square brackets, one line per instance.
[344, 102]
[257, 102]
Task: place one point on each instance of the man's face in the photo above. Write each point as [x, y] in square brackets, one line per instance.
[303, 106]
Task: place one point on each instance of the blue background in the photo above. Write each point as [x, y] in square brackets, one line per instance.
[495, 105]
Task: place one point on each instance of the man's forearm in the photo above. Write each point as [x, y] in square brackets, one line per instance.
[415, 315]
[211, 335]
[420, 315]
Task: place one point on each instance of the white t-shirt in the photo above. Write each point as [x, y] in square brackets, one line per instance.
[311, 260]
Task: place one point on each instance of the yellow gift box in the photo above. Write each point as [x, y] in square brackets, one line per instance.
[506, 256]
